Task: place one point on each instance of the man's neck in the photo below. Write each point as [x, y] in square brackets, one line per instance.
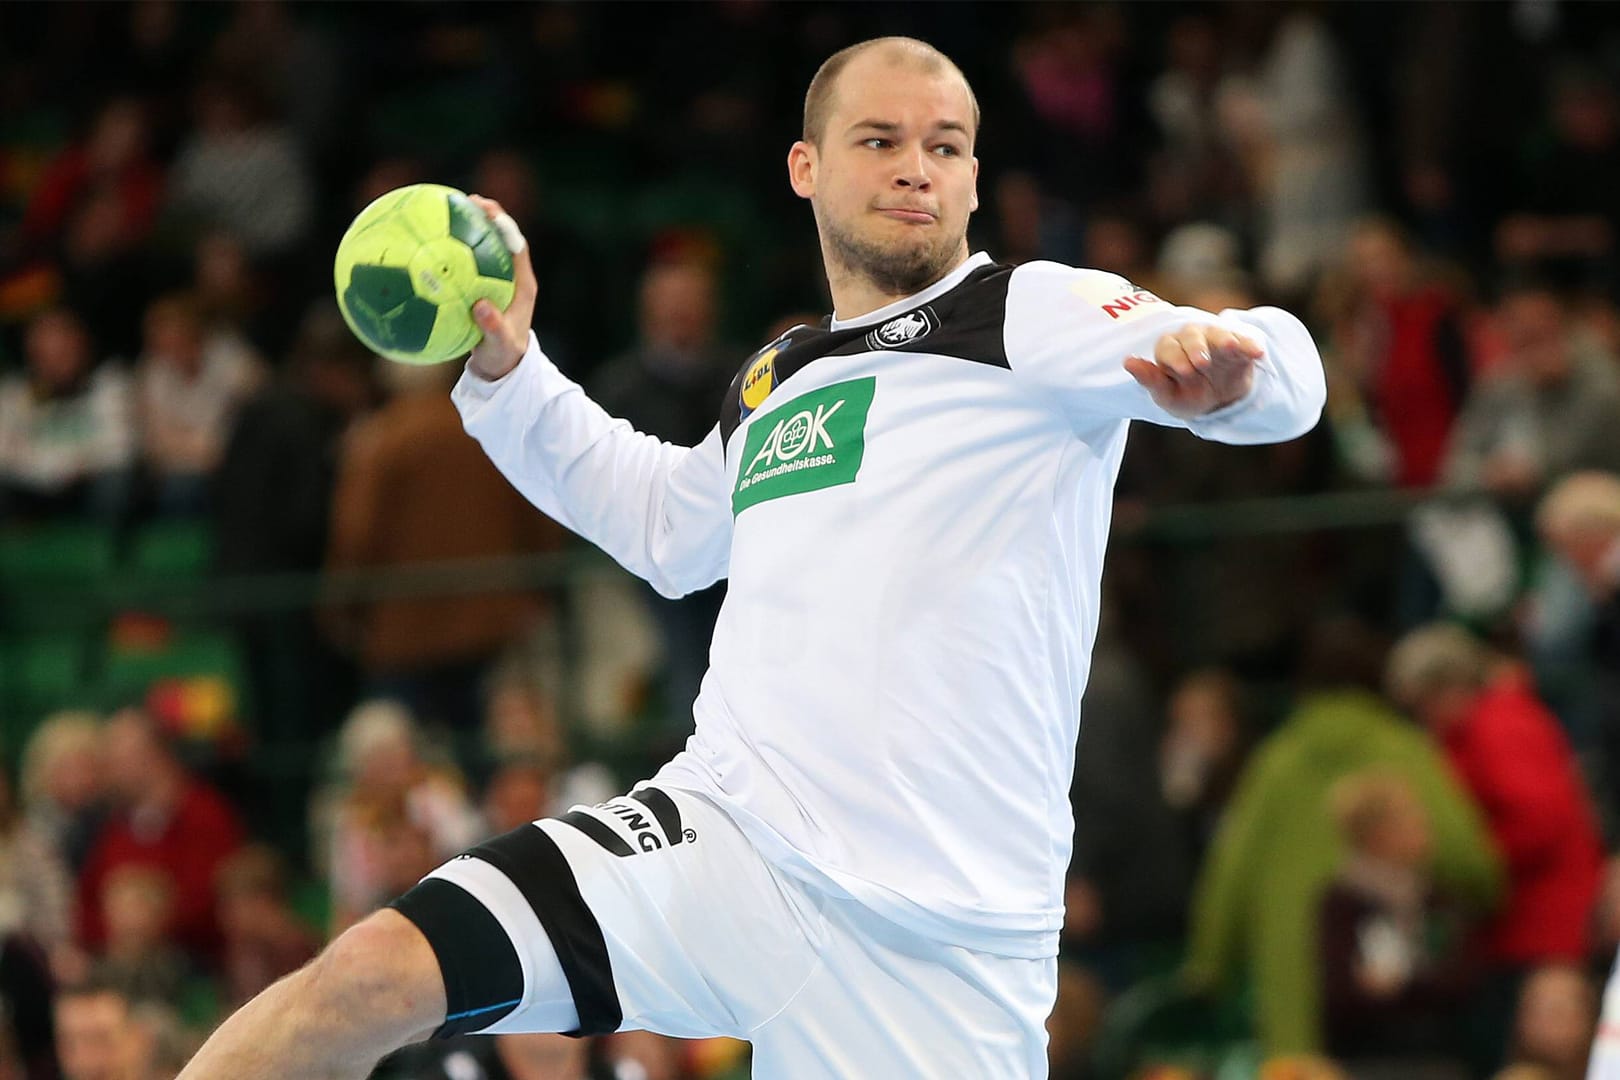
[855, 294]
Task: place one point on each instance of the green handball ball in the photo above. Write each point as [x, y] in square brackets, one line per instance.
[411, 267]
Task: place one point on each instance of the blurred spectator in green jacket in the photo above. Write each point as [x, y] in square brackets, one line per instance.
[1255, 906]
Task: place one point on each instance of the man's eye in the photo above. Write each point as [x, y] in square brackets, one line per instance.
[947, 150]
[876, 143]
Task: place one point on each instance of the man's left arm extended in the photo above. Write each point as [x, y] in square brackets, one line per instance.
[1104, 350]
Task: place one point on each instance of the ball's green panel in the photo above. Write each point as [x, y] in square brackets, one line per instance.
[386, 312]
[469, 225]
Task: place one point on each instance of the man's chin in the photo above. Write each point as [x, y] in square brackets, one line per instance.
[899, 260]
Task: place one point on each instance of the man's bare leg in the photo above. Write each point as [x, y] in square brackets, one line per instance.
[374, 989]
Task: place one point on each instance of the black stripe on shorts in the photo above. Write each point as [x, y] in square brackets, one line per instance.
[597, 830]
[483, 978]
[536, 865]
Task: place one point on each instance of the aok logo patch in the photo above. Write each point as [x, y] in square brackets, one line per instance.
[815, 441]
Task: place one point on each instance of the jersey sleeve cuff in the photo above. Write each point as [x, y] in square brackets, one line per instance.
[1215, 417]
[1263, 390]
[534, 378]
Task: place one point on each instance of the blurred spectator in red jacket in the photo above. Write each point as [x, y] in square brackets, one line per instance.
[113, 158]
[164, 817]
[88, 224]
[1398, 338]
[1510, 753]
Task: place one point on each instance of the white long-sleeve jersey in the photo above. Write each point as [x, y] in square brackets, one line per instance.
[912, 508]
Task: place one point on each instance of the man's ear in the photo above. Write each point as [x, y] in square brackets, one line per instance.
[801, 164]
[974, 204]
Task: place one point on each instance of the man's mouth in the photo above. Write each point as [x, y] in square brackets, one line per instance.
[914, 217]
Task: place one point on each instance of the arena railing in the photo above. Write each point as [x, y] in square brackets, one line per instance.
[59, 604]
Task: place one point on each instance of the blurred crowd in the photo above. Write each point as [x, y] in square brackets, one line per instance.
[1347, 800]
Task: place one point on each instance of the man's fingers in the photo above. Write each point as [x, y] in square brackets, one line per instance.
[1151, 376]
[488, 317]
[1173, 356]
[523, 275]
[489, 206]
[1223, 342]
[523, 279]
[505, 332]
[511, 235]
[1197, 368]
[1220, 339]
[1195, 344]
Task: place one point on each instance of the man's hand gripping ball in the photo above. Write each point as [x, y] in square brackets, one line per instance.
[506, 333]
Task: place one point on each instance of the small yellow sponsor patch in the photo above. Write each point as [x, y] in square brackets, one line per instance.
[760, 380]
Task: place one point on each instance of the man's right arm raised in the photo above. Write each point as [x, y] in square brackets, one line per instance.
[662, 511]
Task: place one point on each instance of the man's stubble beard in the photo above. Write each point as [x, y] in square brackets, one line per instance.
[895, 271]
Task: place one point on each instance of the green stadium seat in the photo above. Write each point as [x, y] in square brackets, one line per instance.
[180, 548]
[39, 674]
[57, 553]
[49, 667]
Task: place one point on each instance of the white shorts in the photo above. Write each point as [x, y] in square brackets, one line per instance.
[652, 911]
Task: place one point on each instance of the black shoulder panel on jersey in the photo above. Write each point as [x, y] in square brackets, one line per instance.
[966, 323]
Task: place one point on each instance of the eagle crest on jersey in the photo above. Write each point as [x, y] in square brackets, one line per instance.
[904, 330]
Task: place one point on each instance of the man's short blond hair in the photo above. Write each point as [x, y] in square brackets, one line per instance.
[818, 100]
[1582, 504]
[1440, 656]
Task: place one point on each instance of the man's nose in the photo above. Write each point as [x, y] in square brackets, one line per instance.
[912, 172]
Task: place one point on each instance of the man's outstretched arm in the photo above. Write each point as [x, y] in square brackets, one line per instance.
[1105, 351]
[663, 511]
[375, 989]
